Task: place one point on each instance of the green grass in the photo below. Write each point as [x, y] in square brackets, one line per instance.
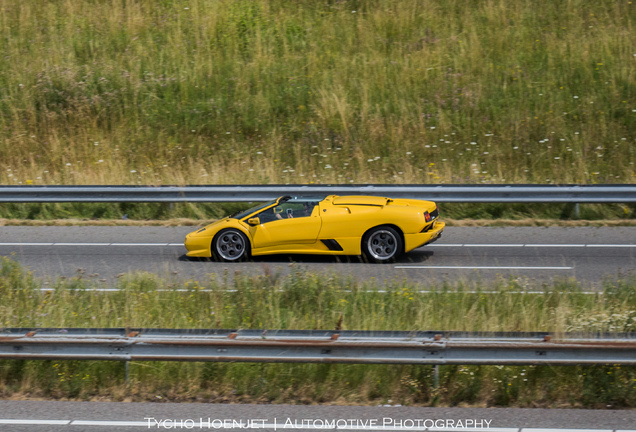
[203, 212]
[304, 300]
[381, 91]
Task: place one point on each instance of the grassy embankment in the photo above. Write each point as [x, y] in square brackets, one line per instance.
[173, 92]
[306, 301]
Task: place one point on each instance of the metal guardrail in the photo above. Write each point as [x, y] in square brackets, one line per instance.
[253, 193]
[314, 346]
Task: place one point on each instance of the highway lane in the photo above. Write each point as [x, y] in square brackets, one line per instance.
[105, 252]
[50, 416]
[468, 253]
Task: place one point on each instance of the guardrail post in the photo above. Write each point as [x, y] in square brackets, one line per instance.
[576, 211]
[436, 377]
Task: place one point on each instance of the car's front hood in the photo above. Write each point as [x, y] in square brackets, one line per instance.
[217, 223]
[209, 229]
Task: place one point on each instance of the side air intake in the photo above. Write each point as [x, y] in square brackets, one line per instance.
[332, 245]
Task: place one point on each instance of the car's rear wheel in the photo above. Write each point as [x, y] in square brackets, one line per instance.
[382, 244]
[230, 245]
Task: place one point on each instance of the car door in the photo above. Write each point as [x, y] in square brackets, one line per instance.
[288, 223]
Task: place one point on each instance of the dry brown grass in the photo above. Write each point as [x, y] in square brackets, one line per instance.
[236, 91]
[101, 222]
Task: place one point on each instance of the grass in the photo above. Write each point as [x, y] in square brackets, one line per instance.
[198, 213]
[306, 301]
[380, 91]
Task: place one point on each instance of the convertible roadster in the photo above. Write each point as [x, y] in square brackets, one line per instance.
[379, 228]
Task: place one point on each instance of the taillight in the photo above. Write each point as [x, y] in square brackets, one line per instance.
[427, 216]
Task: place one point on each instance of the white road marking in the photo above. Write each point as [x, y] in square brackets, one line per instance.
[26, 244]
[192, 290]
[533, 245]
[190, 424]
[33, 422]
[556, 245]
[613, 245]
[82, 244]
[365, 291]
[155, 290]
[482, 267]
[486, 292]
[486, 245]
[494, 245]
[92, 244]
[466, 429]
[139, 244]
[109, 423]
[564, 430]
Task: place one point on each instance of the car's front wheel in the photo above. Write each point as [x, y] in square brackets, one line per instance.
[382, 244]
[230, 245]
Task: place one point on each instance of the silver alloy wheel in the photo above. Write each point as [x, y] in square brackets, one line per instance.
[382, 245]
[230, 245]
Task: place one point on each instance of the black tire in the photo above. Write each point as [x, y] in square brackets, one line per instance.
[230, 245]
[382, 244]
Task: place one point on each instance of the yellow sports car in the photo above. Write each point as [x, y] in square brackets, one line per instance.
[379, 228]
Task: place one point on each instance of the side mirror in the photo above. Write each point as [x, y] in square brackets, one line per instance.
[254, 221]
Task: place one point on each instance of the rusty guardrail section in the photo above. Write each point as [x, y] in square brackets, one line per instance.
[313, 346]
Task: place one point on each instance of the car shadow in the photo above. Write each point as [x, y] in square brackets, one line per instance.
[186, 258]
[413, 257]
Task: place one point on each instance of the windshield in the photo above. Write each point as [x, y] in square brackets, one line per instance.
[254, 209]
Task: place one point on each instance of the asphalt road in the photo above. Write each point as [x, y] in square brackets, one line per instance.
[31, 416]
[102, 253]
[537, 254]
